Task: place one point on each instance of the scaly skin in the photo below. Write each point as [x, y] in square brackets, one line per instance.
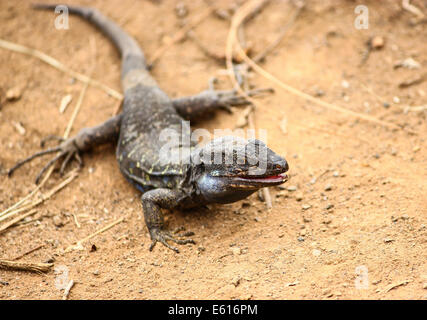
[147, 112]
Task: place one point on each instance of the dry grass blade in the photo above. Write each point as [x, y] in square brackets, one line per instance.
[26, 203]
[68, 289]
[25, 266]
[415, 109]
[58, 65]
[28, 252]
[16, 220]
[181, 34]
[249, 9]
[81, 241]
[273, 45]
[20, 202]
[238, 18]
[396, 285]
[31, 204]
[412, 9]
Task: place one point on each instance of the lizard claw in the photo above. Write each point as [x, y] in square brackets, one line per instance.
[50, 138]
[67, 149]
[162, 236]
[231, 98]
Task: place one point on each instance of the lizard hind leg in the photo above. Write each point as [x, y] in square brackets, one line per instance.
[70, 149]
[67, 149]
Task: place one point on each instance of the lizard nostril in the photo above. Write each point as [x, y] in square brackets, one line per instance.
[283, 165]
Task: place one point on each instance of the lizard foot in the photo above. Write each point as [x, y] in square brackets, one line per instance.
[158, 235]
[67, 150]
[231, 98]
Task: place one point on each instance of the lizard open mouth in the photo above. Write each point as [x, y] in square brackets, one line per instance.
[282, 177]
[261, 181]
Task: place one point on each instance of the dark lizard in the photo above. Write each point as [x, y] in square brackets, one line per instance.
[225, 170]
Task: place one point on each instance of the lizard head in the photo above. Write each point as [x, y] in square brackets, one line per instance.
[229, 168]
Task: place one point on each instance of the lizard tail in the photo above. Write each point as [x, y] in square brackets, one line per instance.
[133, 60]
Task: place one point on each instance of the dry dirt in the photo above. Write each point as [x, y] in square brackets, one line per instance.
[354, 228]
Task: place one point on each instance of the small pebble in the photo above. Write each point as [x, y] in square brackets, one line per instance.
[408, 63]
[327, 221]
[329, 206]
[328, 187]
[236, 251]
[291, 188]
[57, 221]
[13, 94]
[345, 84]
[245, 204]
[316, 252]
[319, 93]
[396, 99]
[306, 206]
[299, 196]
[327, 293]
[336, 174]
[377, 42]
[181, 10]
[236, 281]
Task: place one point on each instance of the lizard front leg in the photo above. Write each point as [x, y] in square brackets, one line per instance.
[192, 107]
[71, 148]
[152, 202]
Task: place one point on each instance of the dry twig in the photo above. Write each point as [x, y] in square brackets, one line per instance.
[25, 266]
[237, 19]
[67, 290]
[28, 252]
[58, 65]
[81, 241]
[396, 285]
[26, 203]
[181, 34]
[16, 220]
[412, 9]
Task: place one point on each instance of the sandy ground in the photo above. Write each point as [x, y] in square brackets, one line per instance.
[350, 223]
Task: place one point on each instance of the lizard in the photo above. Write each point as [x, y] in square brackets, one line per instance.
[225, 170]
